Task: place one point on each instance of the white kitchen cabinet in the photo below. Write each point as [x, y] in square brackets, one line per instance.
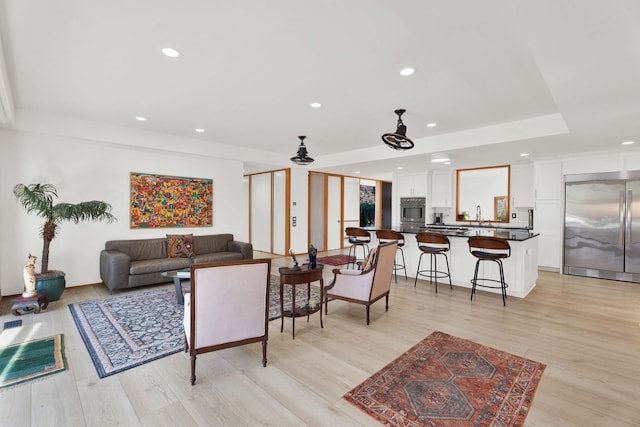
[441, 189]
[548, 222]
[548, 218]
[412, 185]
[547, 181]
[522, 186]
[520, 269]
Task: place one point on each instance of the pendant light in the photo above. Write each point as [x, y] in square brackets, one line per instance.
[398, 140]
[302, 157]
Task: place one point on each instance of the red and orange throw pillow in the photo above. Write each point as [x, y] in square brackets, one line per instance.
[180, 245]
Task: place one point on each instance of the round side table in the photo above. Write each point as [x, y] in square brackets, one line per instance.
[299, 276]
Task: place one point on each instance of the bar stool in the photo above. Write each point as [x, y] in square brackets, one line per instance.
[358, 237]
[385, 236]
[486, 248]
[433, 244]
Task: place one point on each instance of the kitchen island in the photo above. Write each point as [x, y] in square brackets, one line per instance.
[520, 269]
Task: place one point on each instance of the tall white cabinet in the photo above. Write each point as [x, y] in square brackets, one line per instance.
[548, 216]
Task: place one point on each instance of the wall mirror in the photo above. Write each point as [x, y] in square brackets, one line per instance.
[482, 194]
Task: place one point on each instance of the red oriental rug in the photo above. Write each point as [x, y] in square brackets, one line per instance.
[336, 259]
[449, 381]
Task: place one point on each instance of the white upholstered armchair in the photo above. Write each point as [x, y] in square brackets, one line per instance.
[365, 286]
[227, 306]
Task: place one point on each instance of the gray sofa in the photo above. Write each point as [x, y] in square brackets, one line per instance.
[131, 263]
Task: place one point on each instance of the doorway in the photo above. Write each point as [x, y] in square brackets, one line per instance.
[367, 203]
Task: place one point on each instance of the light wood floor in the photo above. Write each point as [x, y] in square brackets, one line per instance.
[586, 331]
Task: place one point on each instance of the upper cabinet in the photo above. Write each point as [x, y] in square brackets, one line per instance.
[414, 185]
[547, 180]
[522, 186]
[441, 194]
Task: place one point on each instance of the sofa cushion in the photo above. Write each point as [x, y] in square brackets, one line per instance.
[211, 243]
[157, 265]
[139, 249]
[216, 257]
[179, 245]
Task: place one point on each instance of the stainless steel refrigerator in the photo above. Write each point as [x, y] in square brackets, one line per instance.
[602, 226]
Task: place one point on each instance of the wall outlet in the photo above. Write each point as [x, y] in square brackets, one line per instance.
[513, 216]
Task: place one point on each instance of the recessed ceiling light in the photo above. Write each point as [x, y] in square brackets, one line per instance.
[524, 154]
[141, 119]
[400, 168]
[357, 172]
[447, 163]
[432, 125]
[199, 130]
[628, 142]
[440, 158]
[407, 71]
[170, 52]
[315, 105]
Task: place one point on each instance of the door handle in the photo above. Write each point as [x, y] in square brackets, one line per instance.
[629, 237]
[621, 209]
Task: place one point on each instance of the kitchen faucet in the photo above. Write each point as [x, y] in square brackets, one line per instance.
[478, 213]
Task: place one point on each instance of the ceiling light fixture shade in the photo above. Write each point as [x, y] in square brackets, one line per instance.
[302, 157]
[398, 140]
[440, 158]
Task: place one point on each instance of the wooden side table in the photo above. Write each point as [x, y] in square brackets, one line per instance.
[23, 305]
[293, 277]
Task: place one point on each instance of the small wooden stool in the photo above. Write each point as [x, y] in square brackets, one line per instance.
[27, 305]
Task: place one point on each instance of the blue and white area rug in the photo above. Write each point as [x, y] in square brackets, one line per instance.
[125, 331]
[132, 329]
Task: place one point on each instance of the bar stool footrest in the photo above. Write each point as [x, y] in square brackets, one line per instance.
[506, 285]
[436, 274]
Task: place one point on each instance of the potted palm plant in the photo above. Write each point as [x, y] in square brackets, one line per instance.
[38, 199]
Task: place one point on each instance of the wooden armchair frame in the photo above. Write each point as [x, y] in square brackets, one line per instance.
[364, 287]
[228, 306]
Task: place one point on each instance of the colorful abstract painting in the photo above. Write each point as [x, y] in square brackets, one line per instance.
[170, 201]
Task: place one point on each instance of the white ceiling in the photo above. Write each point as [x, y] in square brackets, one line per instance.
[500, 77]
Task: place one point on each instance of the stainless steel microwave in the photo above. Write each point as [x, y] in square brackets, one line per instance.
[412, 209]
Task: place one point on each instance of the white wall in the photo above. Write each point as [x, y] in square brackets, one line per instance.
[83, 170]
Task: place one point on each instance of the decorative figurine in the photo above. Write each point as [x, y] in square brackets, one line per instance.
[313, 252]
[30, 277]
[295, 262]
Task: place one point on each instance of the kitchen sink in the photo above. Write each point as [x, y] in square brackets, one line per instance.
[445, 227]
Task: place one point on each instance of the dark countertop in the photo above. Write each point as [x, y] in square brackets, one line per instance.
[515, 234]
